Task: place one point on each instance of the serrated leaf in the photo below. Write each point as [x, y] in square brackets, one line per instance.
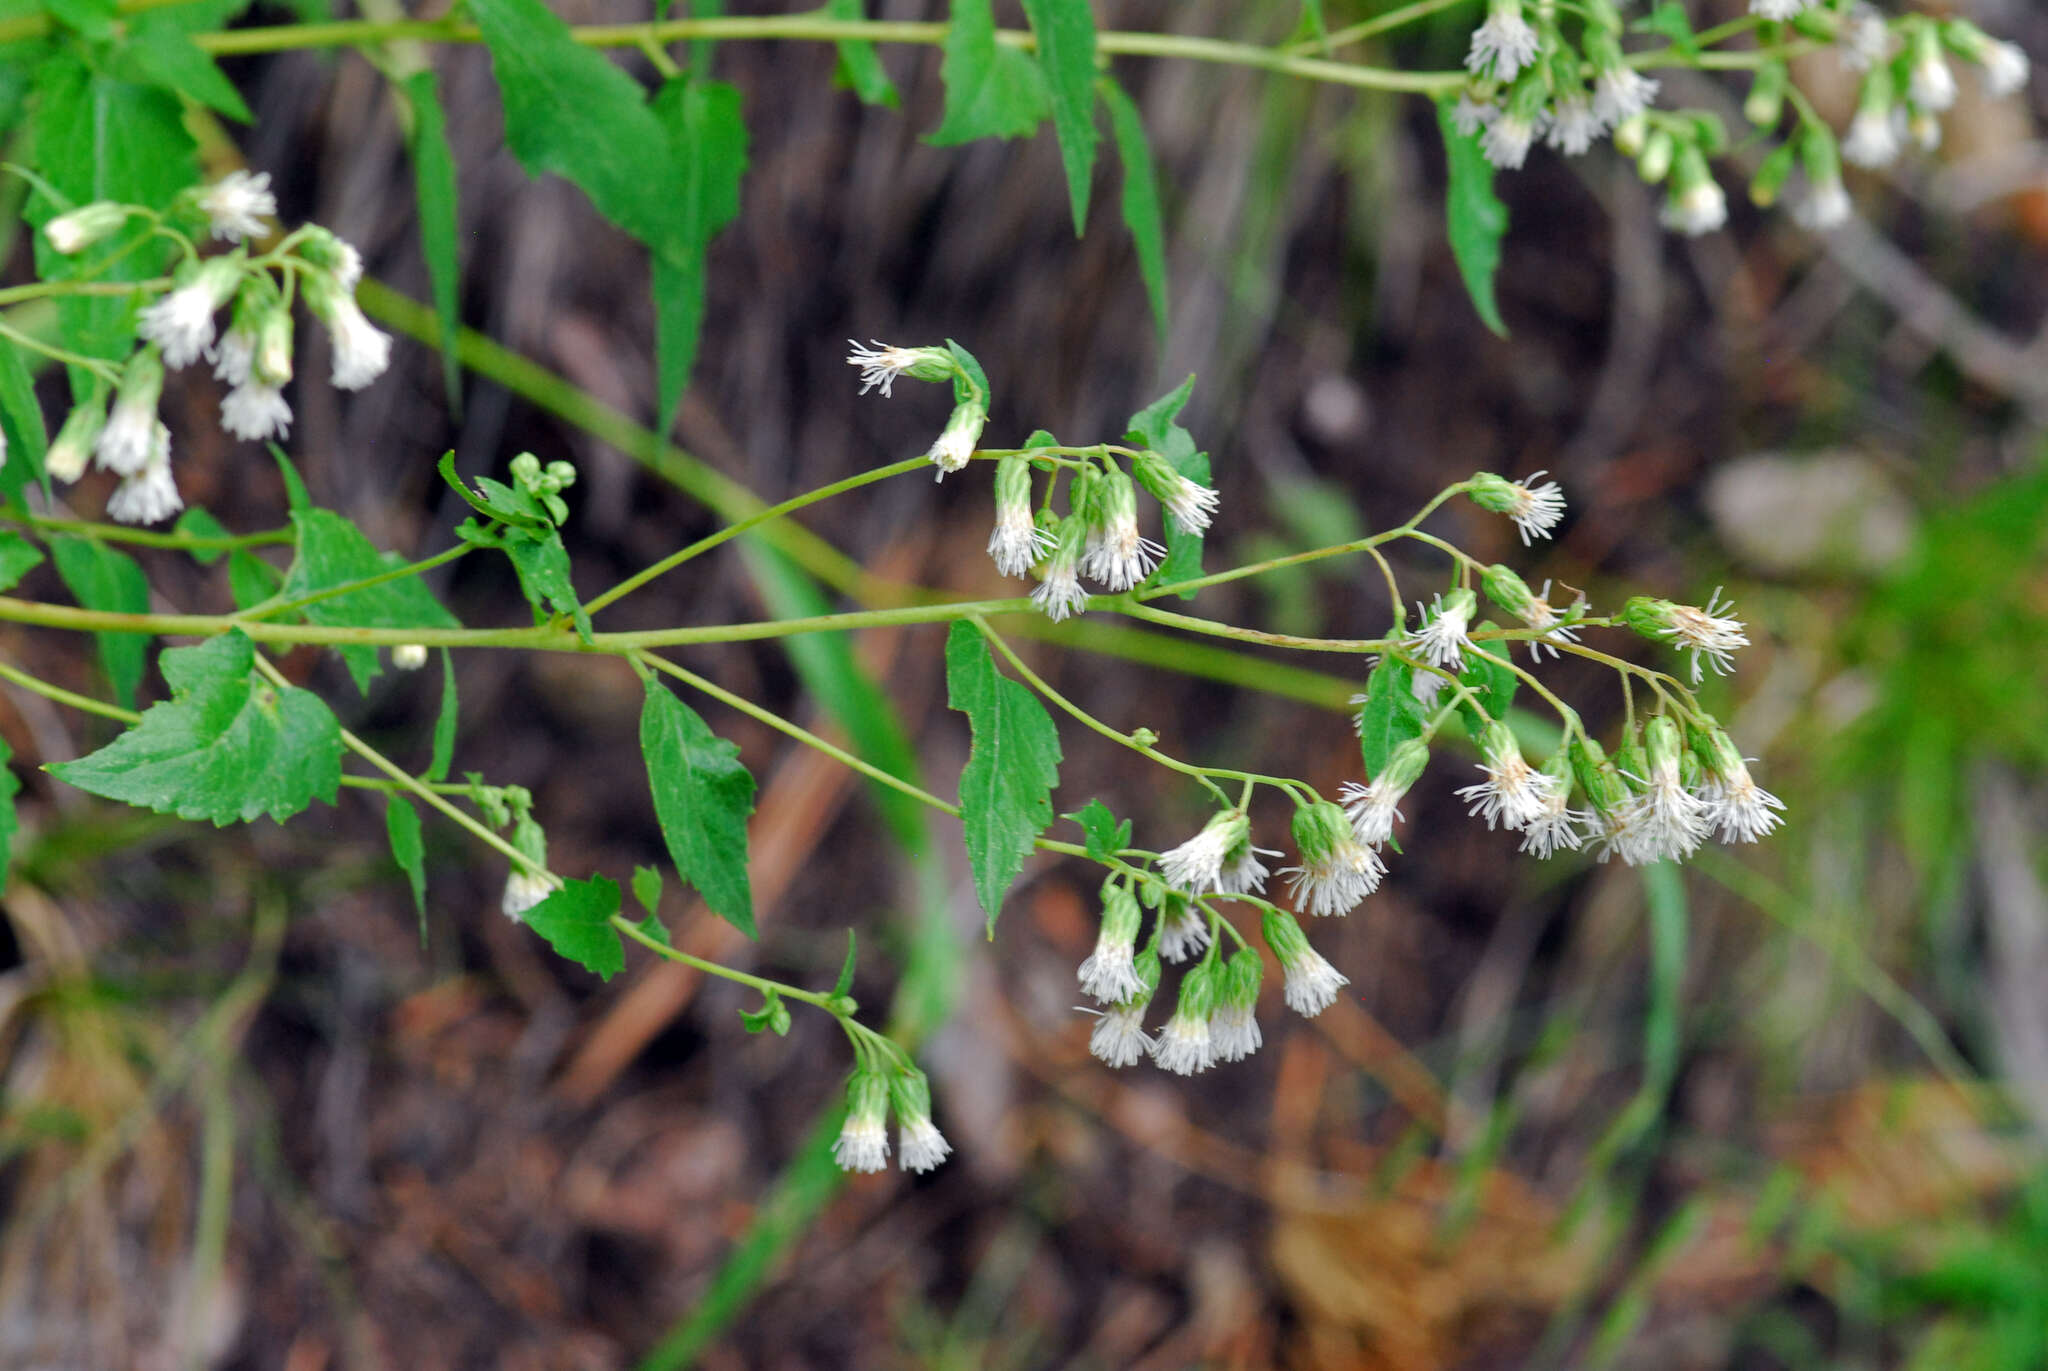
[224, 747]
[1475, 219]
[826, 665]
[845, 981]
[702, 796]
[332, 552]
[433, 176]
[197, 523]
[21, 422]
[653, 928]
[576, 920]
[647, 887]
[992, 91]
[1140, 198]
[159, 53]
[1391, 714]
[10, 786]
[1103, 835]
[1012, 766]
[1154, 427]
[100, 577]
[708, 137]
[543, 567]
[445, 721]
[1492, 683]
[251, 580]
[1066, 54]
[18, 556]
[858, 65]
[402, 827]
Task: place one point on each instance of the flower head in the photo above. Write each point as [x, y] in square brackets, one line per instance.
[1234, 1027]
[1183, 929]
[1512, 593]
[1311, 984]
[73, 446]
[1119, 1036]
[1865, 39]
[863, 1143]
[1621, 93]
[124, 444]
[1502, 45]
[236, 205]
[1507, 140]
[333, 255]
[2006, 68]
[361, 350]
[1824, 205]
[1442, 639]
[1534, 508]
[1190, 503]
[1373, 808]
[409, 656]
[1873, 138]
[76, 230]
[149, 495]
[523, 890]
[1556, 825]
[1184, 1046]
[1336, 871]
[920, 1145]
[1197, 865]
[1117, 555]
[1574, 124]
[1743, 810]
[1667, 821]
[1514, 794]
[882, 363]
[254, 411]
[954, 447]
[1110, 973]
[1060, 594]
[1929, 83]
[1708, 633]
[181, 322]
[1017, 544]
[1468, 115]
[1777, 9]
[1697, 204]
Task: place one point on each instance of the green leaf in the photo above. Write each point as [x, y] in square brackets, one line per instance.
[10, 785]
[1105, 837]
[251, 580]
[159, 53]
[845, 981]
[858, 65]
[652, 927]
[1475, 218]
[992, 91]
[100, 577]
[825, 664]
[709, 140]
[445, 721]
[18, 556]
[1312, 20]
[1669, 20]
[495, 500]
[647, 888]
[577, 922]
[92, 19]
[543, 569]
[21, 422]
[1011, 770]
[1391, 714]
[773, 1014]
[295, 497]
[433, 174]
[1154, 427]
[1492, 683]
[702, 796]
[332, 552]
[197, 523]
[1066, 54]
[1141, 197]
[402, 827]
[224, 747]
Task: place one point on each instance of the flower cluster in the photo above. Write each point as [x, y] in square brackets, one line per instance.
[253, 357]
[863, 1142]
[1099, 537]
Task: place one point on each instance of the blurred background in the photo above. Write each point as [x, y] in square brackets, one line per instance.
[1783, 1110]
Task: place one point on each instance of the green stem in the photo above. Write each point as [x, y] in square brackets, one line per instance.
[178, 540]
[66, 697]
[734, 530]
[1212, 628]
[37, 290]
[1366, 28]
[99, 366]
[257, 613]
[710, 968]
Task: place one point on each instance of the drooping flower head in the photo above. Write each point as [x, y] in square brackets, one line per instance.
[1197, 865]
[882, 363]
[1873, 139]
[1184, 1046]
[1336, 871]
[76, 230]
[124, 444]
[1502, 45]
[236, 205]
[920, 1145]
[1777, 9]
[1311, 984]
[1110, 972]
[1930, 84]
[333, 255]
[1668, 822]
[1535, 508]
[362, 351]
[73, 446]
[1508, 590]
[523, 890]
[1190, 503]
[1514, 794]
[1234, 1027]
[1117, 554]
[149, 495]
[1183, 928]
[1017, 543]
[1733, 802]
[1696, 203]
[181, 322]
[1710, 633]
[1610, 803]
[863, 1143]
[954, 447]
[1372, 808]
[1060, 593]
[1620, 92]
[1119, 1038]
[1556, 825]
[1442, 640]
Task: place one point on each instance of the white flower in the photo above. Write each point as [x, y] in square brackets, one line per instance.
[1244, 873]
[1109, 973]
[1777, 9]
[1573, 125]
[1923, 128]
[1119, 556]
[1469, 116]
[1372, 810]
[882, 363]
[921, 1145]
[524, 890]
[255, 412]
[1708, 633]
[1873, 139]
[1514, 794]
[1183, 932]
[1234, 1032]
[863, 1144]
[1018, 543]
[1537, 508]
[1506, 141]
[1191, 504]
[1538, 615]
[1865, 39]
[1739, 807]
[409, 656]
[1197, 864]
[361, 350]
[237, 204]
[1701, 207]
[2005, 68]
[1335, 879]
[1183, 1046]
[1555, 825]
[347, 263]
[1823, 206]
[150, 495]
[1118, 1037]
[1621, 93]
[125, 444]
[1503, 45]
[181, 323]
[1442, 640]
[1312, 983]
[233, 355]
[1060, 594]
[1664, 820]
[1931, 85]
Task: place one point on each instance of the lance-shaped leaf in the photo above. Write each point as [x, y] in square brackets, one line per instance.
[433, 173]
[1141, 197]
[1154, 427]
[702, 796]
[333, 552]
[859, 67]
[1066, 54]
[992, 91]
[1391, 714]
[402, 827]
[709, 139]
[9, 784]
[577, 922]
[1012, 767]
[225, 747]
[1475, 217]
[21, 423]
[18, 556]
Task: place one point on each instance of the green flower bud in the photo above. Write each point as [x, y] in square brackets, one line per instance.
[863, 1143]
[1765, 104]
[954, 446]
[1654, 162]
[1771, 175]
[1663, 744]
[1508, 590]
[1319, 830]
[76, 230]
